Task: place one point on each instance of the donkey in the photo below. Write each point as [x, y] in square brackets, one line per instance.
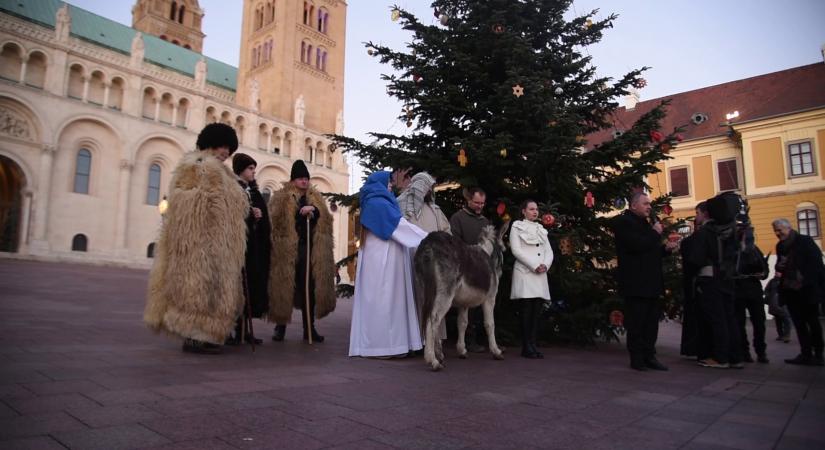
[448, 273]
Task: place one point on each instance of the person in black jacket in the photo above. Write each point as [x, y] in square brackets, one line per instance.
[639, 252]
[752, 268]
[258, 246]
[799, 260]
[694, 331]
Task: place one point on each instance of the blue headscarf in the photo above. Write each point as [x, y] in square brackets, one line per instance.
[379, 211]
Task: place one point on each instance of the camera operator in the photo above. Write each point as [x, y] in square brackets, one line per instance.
[752, 268]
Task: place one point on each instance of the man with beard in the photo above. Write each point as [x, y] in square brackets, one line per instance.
[293, 209]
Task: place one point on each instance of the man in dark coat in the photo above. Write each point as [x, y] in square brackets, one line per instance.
[258, 246]
[799, 260]
[693, 330]
[639, 251]
[753, 268]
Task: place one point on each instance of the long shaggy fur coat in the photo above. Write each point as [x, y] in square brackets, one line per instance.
[283, 206]
[195, 288]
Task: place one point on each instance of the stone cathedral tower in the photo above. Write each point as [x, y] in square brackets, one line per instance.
[292, 61]
[176, 21]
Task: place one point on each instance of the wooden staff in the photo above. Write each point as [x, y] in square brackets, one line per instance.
[306, 291]
[247, 320]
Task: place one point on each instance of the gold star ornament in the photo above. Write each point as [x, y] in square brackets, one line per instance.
[518, 91]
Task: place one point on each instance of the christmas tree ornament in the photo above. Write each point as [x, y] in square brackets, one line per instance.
[578, 265]
[518, 91]
[559, 91]
[462, 158]
[498, 28]
[503, 152]
[416, 78]
[619, 203]
[505, 217]
[640, 83]
[656, 136]
[501, 208]
[667, 209]
[617, 318]
[548, 220]
[665, 148]
[674, 236]
[566, 246]
[552, 123]
[679, 137]
[395, 15]
[409, 123]
[333, 206]
[444, 19]
[370, 51]
[588, 23]
[579, 139]
[589, 200]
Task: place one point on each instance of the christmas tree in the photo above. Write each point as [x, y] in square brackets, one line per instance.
[502, 94]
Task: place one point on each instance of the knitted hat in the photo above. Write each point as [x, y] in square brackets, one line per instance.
[240, 161]
[217, 135]
[299, 170]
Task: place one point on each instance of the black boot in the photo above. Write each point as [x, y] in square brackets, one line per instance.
[535, 315]
[526, 329]
[315, 336]
[280, 332]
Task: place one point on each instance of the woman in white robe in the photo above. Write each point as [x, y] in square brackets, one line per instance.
[384, 317]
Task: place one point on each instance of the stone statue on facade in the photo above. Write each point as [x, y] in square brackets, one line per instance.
[200, 73]
[300, 110]
[254, 94]
[339, 123]
[138, 49]
[63, 23]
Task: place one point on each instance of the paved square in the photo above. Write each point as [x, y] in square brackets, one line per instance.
[79, 370]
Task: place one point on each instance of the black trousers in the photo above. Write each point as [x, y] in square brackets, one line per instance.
[641, 320]
[805, 316]
[690, 327]
[754, 307]
[716, 303]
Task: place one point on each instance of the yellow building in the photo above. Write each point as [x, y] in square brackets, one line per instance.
[763, 137]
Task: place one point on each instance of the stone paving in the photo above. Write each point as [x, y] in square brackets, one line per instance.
[79, 370]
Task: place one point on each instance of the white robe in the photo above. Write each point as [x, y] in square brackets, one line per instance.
[384, 319]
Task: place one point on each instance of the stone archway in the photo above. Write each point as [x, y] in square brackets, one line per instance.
[12, 181]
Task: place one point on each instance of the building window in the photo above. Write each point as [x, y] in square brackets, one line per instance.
[307, 13]
[83, 168]
[807, 221]
[180, 13]
[150, 250]
[727, 174]
[801, 158]
[679, 185]
[173, 11]
[153, 190]
[79, 243]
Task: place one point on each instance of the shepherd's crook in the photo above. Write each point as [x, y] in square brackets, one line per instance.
[306, 291]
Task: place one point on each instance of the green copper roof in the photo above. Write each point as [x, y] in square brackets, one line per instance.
[118, 37]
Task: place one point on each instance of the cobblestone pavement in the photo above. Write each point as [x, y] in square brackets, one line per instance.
[79, 370]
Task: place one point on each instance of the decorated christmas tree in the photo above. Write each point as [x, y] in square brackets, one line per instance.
[502, 94]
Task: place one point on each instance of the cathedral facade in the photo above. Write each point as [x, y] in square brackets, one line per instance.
[94, 116]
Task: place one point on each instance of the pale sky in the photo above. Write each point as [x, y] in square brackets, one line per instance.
[687, 44]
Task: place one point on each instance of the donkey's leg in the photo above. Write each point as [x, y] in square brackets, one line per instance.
[460, 346]
[439, 313]
[490, 327]
[429, 342]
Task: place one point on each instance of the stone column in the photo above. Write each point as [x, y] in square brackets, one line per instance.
[23, 69]
[106, 88]
[269, 142]
[86, 80]
[174, 114]
[41, 212]
[121, 224]
[25, 220]
[157, 109]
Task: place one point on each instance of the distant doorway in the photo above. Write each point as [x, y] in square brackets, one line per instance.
[12, 181]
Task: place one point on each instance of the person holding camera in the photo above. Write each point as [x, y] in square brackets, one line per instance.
[752, 268]
[799, 260]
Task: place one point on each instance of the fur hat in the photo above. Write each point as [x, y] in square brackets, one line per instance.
[299, 170]
[240, 161]
[217, 135]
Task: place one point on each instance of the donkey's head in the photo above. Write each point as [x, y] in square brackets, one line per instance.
[491, 242]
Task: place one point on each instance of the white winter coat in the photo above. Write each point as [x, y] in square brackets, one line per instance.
[530, 246]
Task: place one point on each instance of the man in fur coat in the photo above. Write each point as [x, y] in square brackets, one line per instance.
[195, 289]
[290, 209]
[258, 246]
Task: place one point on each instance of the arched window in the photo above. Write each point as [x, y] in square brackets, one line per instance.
[80, 243]
[36, 70]
[306, 13]
[82, 171]
[173, 11]
[153, 188]
[180, 13]
[807, 221]
[303, 51]
[254, 56]
[269, 51]
[321, 59]
[272, 12]
[150, 250]
[309, 54]
[321, 24]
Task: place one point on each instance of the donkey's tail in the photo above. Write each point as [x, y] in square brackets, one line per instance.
[425, 283]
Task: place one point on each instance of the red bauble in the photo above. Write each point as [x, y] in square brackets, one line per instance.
[616, 318]
[674, 236]
[589, 200]
[548, 220]
[679, 138]
[416, 77]
[667, 209]
[501, 208]
[656, 136]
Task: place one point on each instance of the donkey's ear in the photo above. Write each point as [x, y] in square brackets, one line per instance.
[502, 231]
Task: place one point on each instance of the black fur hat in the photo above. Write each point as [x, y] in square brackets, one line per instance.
[299, 170]
[217, 135]
[240, 161]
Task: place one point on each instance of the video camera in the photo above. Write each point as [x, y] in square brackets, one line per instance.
[729, 208]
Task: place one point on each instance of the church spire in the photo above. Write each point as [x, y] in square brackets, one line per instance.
[176, 21]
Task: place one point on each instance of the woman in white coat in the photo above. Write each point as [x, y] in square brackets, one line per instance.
[531, 248]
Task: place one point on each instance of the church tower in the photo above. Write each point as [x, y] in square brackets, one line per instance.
[292, 61]
[176, 21]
